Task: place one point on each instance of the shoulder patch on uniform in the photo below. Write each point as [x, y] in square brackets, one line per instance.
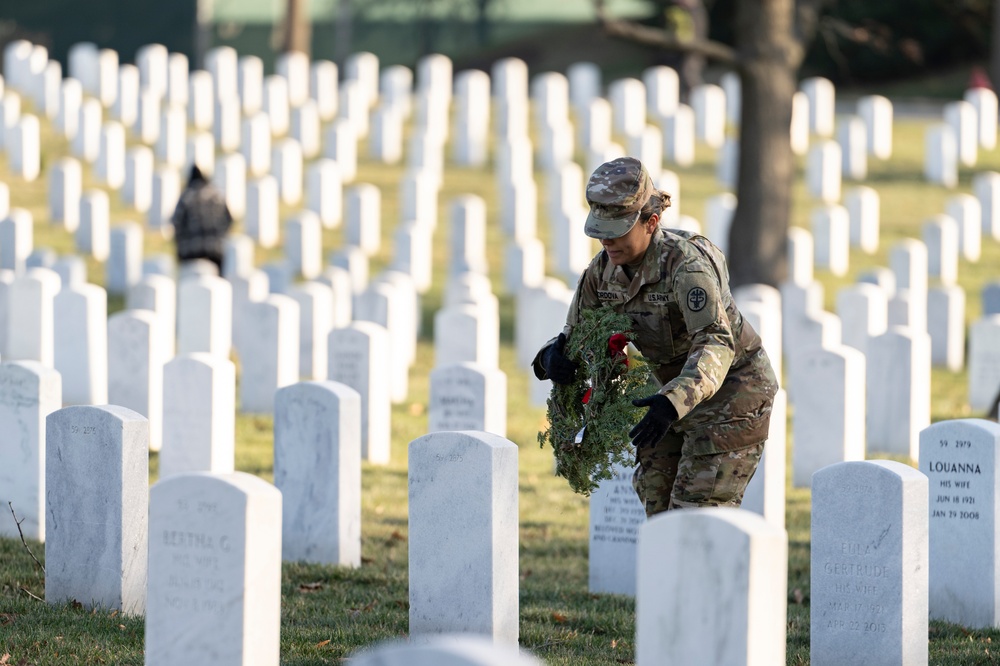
[655, 297]
[696, 299]
[605, 295]
[698, 293]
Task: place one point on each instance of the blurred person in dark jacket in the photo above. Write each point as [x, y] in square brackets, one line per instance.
[201, 221]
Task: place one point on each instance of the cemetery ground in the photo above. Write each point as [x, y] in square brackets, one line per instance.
[328, 613]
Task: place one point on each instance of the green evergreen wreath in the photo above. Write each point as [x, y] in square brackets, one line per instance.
[608, 381]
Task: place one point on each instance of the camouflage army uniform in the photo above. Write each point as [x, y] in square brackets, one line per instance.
[201, 222]
[708, 360]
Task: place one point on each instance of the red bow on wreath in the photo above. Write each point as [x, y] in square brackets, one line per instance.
[616, 347]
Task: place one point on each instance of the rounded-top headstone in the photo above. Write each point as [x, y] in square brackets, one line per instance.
[699, 570]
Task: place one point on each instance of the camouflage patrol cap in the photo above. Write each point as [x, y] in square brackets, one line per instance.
[616, 192]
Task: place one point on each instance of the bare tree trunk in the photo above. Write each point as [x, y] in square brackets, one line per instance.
[693, 64]
[995, 47]
[482, 22]
[298, 27]
[344, 32]
[770, 56]
[203, 12]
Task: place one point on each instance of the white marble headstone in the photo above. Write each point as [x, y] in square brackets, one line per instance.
[829, 415]
[465, 396]
[30, 312]
[463, 535]
[317, 467]
[81, 343]
[869, 556]
[199, 415]
[29, 392]
[898, 390]
[984, 362]
[357, 359]
[946, 326]
[316, 306]
[616, 514]
[65, 190]
[704, 569]
[960, 460]
[214, 591]
[262, 211]
[270, 358]
[324, 192]
[137, 352]
[96, 496]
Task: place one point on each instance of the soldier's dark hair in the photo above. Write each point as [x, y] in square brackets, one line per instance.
[657, 203]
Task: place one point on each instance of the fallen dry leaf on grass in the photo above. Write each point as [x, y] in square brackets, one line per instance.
[322, 643]
[367, 607]
[310, 587]
[559, 617]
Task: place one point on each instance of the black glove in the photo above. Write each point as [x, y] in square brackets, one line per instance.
[559, 369]
[654, 424]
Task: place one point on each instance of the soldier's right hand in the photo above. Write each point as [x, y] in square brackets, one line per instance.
[557, 366]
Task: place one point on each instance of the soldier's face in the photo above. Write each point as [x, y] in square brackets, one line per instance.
[630, 248]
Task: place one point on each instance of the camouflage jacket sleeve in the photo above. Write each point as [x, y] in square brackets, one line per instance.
[713, 345]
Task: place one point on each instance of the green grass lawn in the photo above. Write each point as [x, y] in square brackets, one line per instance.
[327, 613]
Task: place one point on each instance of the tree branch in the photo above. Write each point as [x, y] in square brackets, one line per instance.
[806, 20]
[18, 523]
[640, 34]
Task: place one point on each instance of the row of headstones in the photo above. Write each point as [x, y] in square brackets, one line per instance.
[819, 91]
[860, 566]
[585, 254]
[957, 231]
[318, 438]
[901, 294]
[299, 95]
[891, 547]
[320, 185]
[206, 531]
[861, 378]
[259, 200]
[216, 541]
[319, 330]
[166, 78]
[859, 135]
[505, 71]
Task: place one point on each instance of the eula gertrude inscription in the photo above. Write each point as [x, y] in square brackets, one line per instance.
[856, 581]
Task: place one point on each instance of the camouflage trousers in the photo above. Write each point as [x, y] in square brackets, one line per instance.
[665, 478]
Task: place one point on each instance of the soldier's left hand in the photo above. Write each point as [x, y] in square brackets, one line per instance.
[654, 424]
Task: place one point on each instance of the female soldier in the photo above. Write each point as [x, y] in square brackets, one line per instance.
[703, 434]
